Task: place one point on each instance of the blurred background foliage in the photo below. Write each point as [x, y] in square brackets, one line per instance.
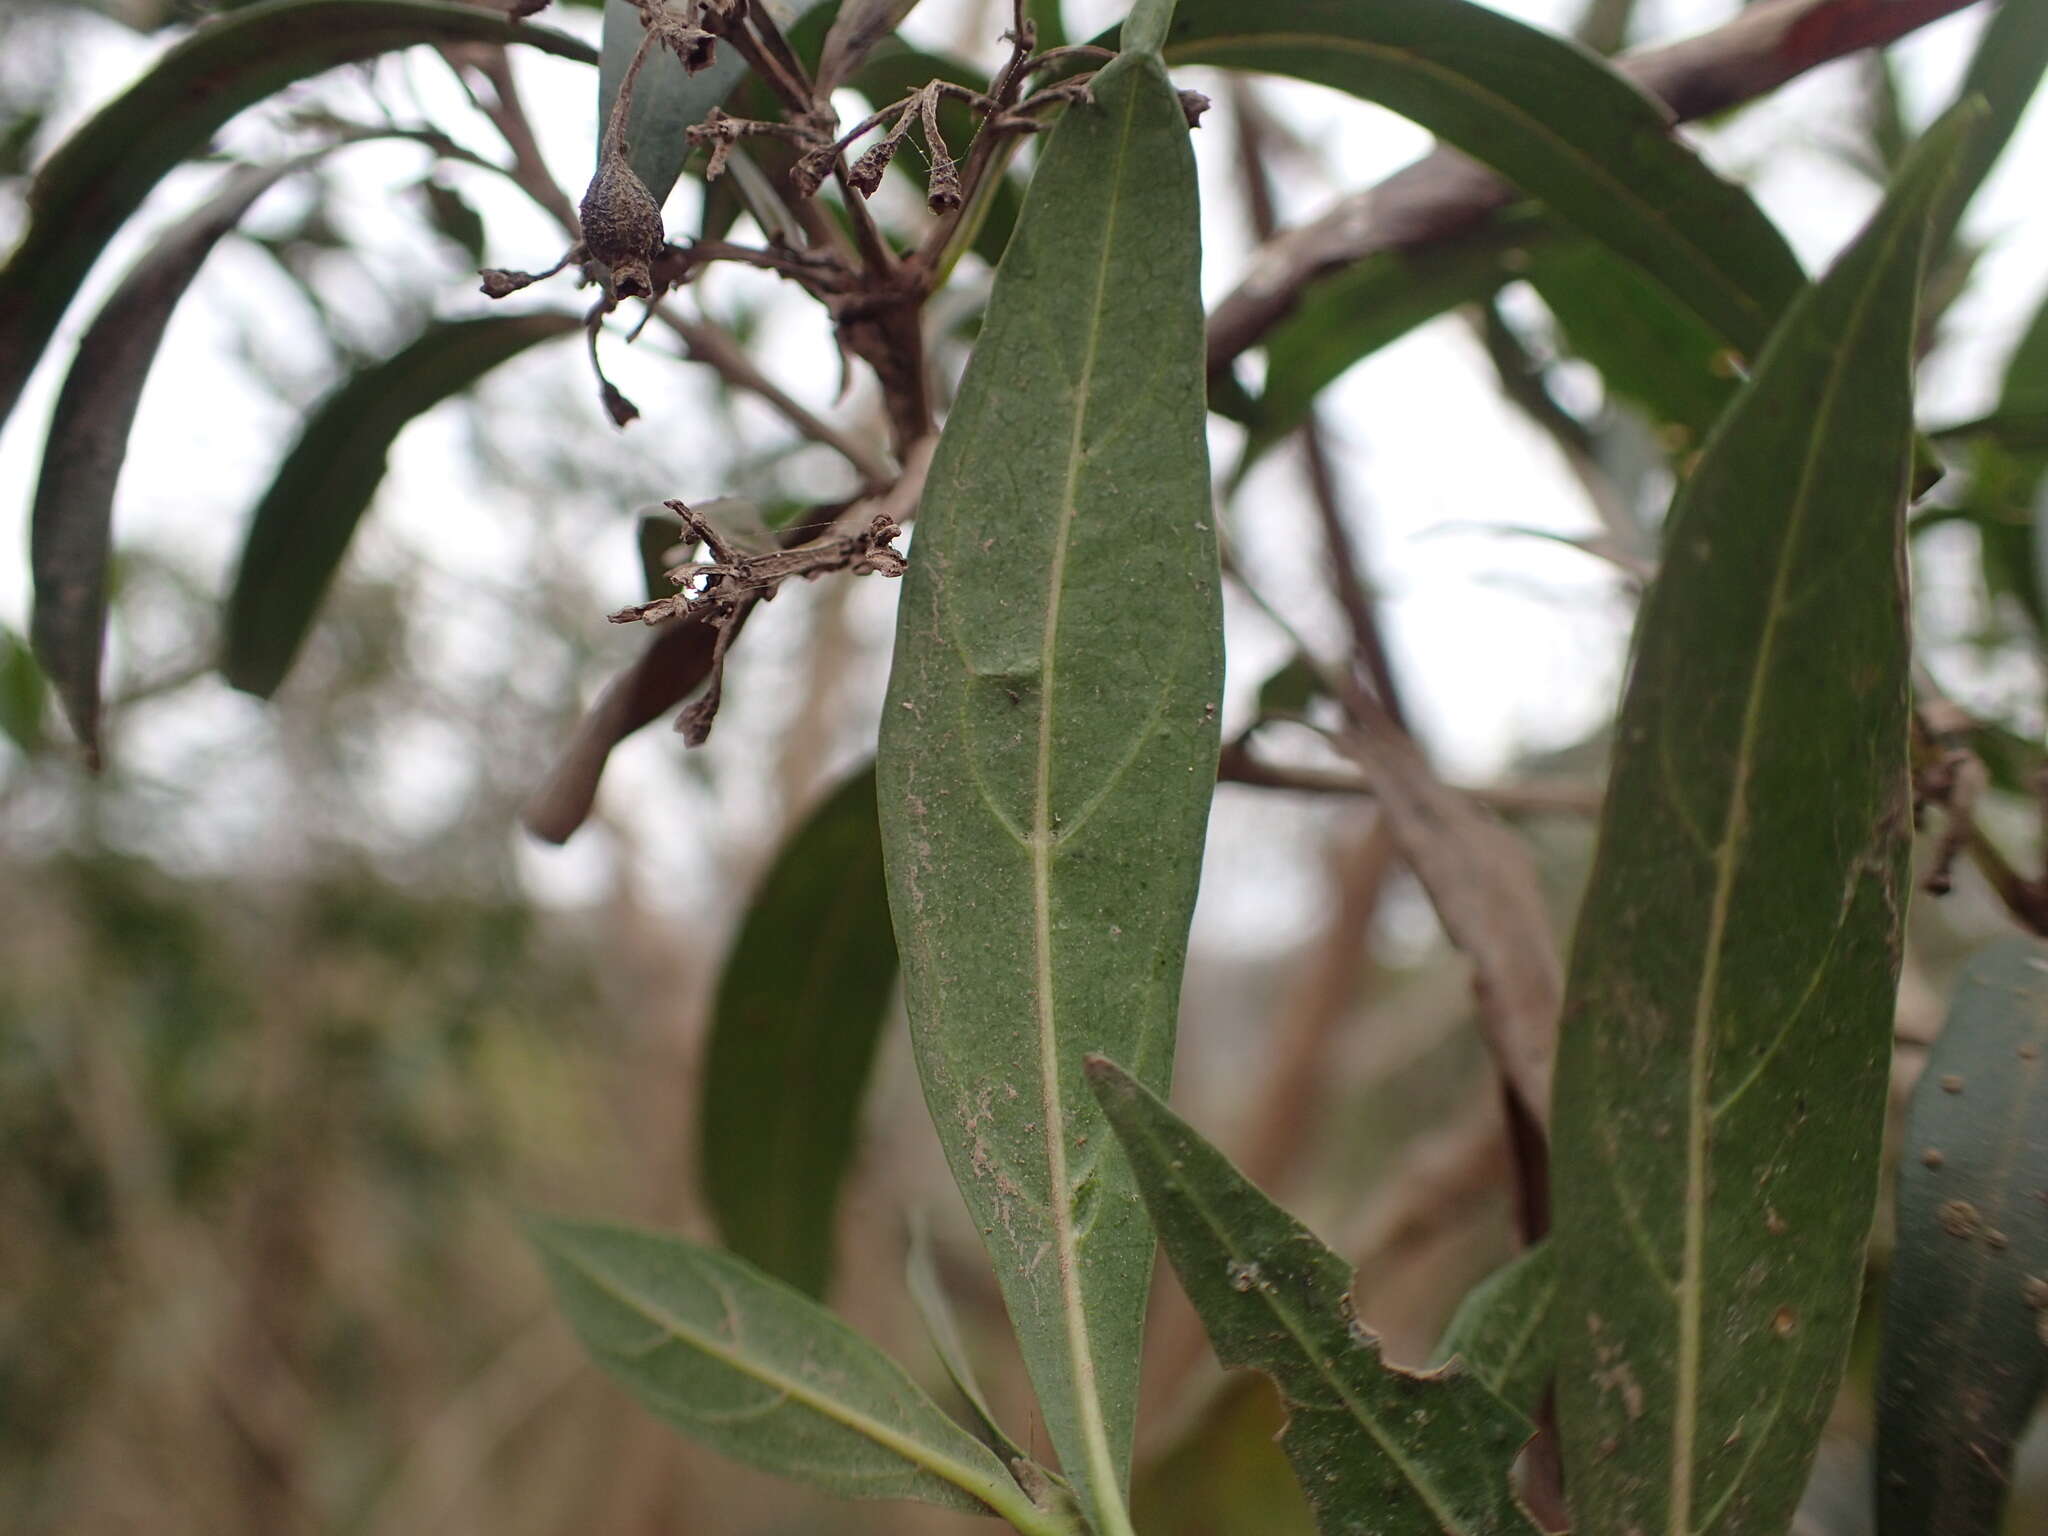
[292, 1021]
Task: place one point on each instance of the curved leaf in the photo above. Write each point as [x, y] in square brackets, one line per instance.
[1502, 1329]
[1049, 743]
[1966, 1306]
[1375, 1448]
[1721, 1078]
[303, 525]
[101, 174]
[1546, 114]
[667, 99]
[2005, 71]
[70, 528]
[21, 693]
[942, 1327]
[763, 1374]
[802, 1000]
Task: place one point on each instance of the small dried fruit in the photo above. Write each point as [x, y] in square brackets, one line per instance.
[622, 226]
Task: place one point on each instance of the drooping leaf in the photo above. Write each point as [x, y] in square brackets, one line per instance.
[1545, 114]
[1721, 1074]
[1375, 1448]
[70, 528]
[1502, 1329]
[800, 1005]
[667, 99]
[1049, 742]
[101, 174]
[1374, 303]
[1965, 1352]
[303, 525]
[763, 1374]
[2004, 73]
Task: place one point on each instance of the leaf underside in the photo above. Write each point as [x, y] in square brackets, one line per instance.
[1721, 1084]
[1377, 1450]
[756, 1370]
[1049, 742]
[1502, 1329]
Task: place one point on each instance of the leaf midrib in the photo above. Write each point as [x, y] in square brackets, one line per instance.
[1735, 824]
[1043, 841]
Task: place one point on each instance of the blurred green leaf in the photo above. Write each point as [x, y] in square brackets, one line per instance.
[302, 527]
[667, 99]
[1966, 1305]
[1546, 114]
[935, 1311]
[763, 1374]
[71, 526]
[800, 1005]
[1721, 1084]
[857, 29]
[1650, 351]
[1291, 688]
[1375, 1448]
[21, 693]
[453, 217]
[1502, 1330]
[100, 175]
[1049, 742]
[1373, 303]
[1227, 1476]
[2005, 71]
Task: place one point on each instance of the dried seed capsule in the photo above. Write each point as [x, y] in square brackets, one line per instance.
[622, 226]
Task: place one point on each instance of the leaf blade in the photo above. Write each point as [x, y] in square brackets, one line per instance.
[1962, 1363]
[1374, 1447]
[799, 1008]
[767, 1376]
[101, 174]
[1049, 740]
[70, 526]
[1544, 113]
[1501, 1329]
[1711, 1162]
[302, 526]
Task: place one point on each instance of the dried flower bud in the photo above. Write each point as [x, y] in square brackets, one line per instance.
[811, 169]
[499, 284]
[622, 226]
[1194, 104]
[942, 189]
[866, 174]
[617, 406]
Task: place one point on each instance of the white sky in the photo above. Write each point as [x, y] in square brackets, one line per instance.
[1503, 643]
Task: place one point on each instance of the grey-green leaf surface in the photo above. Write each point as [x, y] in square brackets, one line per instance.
[935, 1310]
[763, 1374]
[1721, 1074]
[667, 99]
[70, 530]
[800, 1005]
[101, 174]
[856, 29]
[1501, 1330]
[1544, 113]
[1965, 1352]
[1049, 742]
[303, 525]
[1379, 1451]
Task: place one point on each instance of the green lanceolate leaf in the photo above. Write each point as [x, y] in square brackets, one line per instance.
[763, 1374]
[1375, 1448]
[1502, 1329]
[1547, 115]
[1721, 1076]
[101, 174]
[303, 525]
[1966, 1308]
[800, 1005]
[667, 99]
[1049, 742]
[2004, 73]
[71, 527]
